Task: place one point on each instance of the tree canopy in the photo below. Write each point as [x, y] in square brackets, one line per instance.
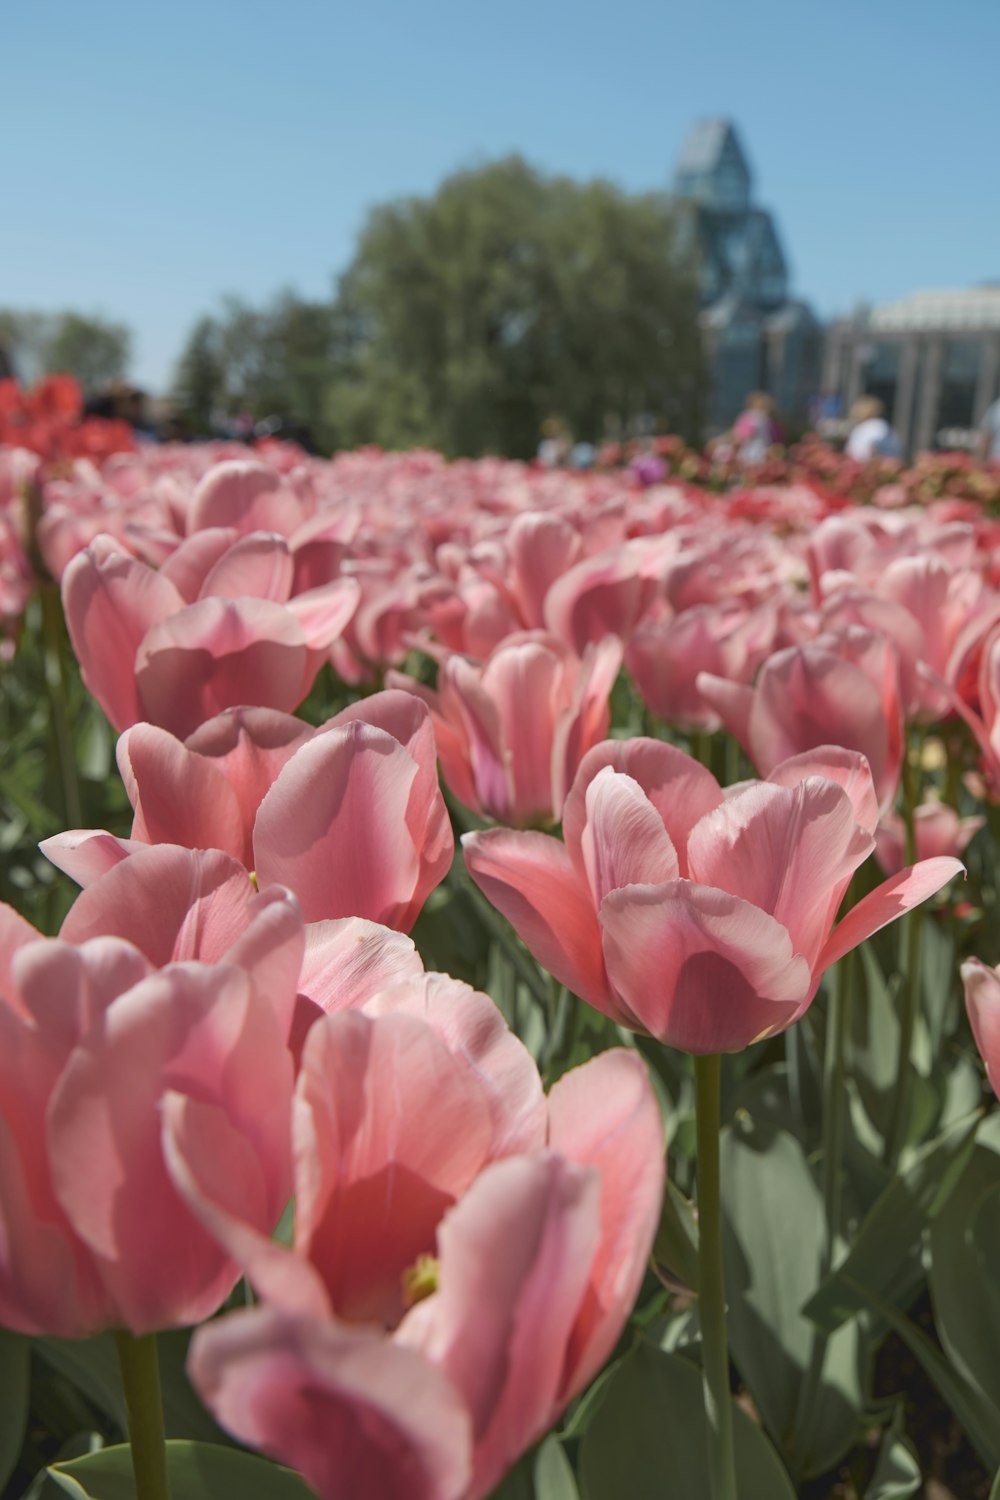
[277, 360]
[94, 349]
[468, 318]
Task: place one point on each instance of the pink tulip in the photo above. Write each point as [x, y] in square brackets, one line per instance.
[149, 651]
[350, 817]
[927, 609]
[982, 1001]
[609, 593]
[842, 689]
[665, 657]
[247, 495]
[494, 1237]
[106, 1047]
[706, 921]
[354, 1412]
[503, 758]
[938, 828]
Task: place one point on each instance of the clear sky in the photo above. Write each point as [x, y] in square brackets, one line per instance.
[156, 156]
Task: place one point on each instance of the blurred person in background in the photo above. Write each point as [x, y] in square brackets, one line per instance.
[756, 429]
[989, 434]
[871, 436]
[554, 448]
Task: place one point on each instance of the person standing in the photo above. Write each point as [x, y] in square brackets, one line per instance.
[871, 436]
[988, 447]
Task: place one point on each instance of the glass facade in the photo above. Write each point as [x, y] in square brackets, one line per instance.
[959, 377]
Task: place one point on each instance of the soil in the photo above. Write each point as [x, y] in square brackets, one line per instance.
[948, 1462]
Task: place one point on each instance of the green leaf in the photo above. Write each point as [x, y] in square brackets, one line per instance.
[583, 1410]
[197, 1471]
[45, 1486]
[774, 1244]
[553, 1476]
[542, 1474]
[675, 1249]
[979, 1417]
[648, 1438]
[897, 1473]
[15, 1354]
[965, 1253]
[92, 1366]
[891, 1232]
[995, 1491]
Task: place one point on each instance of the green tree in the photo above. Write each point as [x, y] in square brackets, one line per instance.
[276, 360]
[467, 318]
[200, 377]
[94, 349]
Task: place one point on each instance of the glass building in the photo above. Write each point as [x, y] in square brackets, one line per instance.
[757, 337]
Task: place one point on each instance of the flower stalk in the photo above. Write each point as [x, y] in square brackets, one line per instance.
[711, 1282]
[140, 1369]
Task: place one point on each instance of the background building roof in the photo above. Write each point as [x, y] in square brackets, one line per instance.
[966, 307]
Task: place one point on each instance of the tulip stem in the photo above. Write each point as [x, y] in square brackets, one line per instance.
[55, 680]
[711, 1282]
[910, 995]
[838, 1024]
[140, 1369]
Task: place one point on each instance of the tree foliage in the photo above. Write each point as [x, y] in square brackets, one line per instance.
[94, 349]
[466, 319]
[469, 317]
[277, 360]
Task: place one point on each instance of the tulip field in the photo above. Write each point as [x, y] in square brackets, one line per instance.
[497, 974]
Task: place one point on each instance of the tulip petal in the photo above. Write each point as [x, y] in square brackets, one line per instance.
[355, 1413]
[178, 797]
[982, 1001]
[515, 1257]
[217, 654]
[681, 790]
[191, 1028]
[324, 612]
[624, 841]
[530, 878]
[188, 567]
[348, 960]
[112, 601]
[85, 854]
[333, 826]
[390, 1130]
[790, 851]
[887, 902]
[848, 768]
[247, 495]
[171, 903]
[700, 969]
[473, 1030]
[258, 566]
[249, 746]
[604, 1114]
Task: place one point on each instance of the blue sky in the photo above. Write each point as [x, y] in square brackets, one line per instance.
[156, 157]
